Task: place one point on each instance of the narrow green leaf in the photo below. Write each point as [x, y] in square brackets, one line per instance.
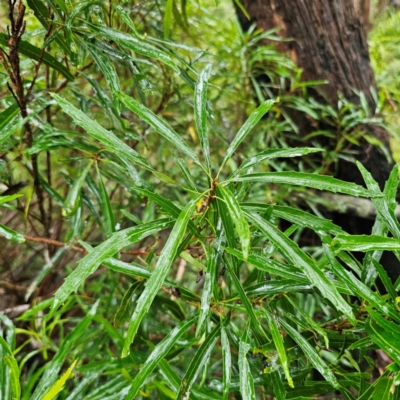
[8, 115]
[359, 288]
[159, 125]
[198, 361]
[57, 387]
[247, 127]
[105, 207]
[107, 138]
[387, 282]
[311, 354]
[279, 345]
[89, 264]
[132, 43]
[186, 173]
[296, 256]
[72, 201]
[9, 234]
[275, 153]
[364, 243]
[128, 21]
[387, 340]
[277, 385]
[295, 216]
[320, 182]
[125, 309]
[12, 364]
[34, 53]
[5, 199]
[278, 286]
[168, 18]
[271, 266]
[167, 257]
[242, 227]
[54, 366]
[137, 270]
[245, 301]
[380, 202]
[245, 376]
[107, 68]
[42, 14]
[226, 363]
[200, 112]
[158, 354]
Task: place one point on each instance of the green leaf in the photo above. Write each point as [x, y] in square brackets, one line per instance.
[128, 21]
[237, 216]
[226, 363]
[320, 182]
[364, 243]
[198, 361]
[245, 376]
[107, 68]
[72, 201]
[105, 207]
[132, 43]
[247, 127]
[279, 345]
[186, 173]
[380, 202]
[160, 351]
[9, 234]
[34, 53]
[12, 364]
[245, 301]
[311, 354]
[89, 264]
[94, 129]
[271, 266]
[42, 14]
[57, 387]
[386, 334]
[168, 18]
[295, 216]
[200, 112]
[8, 115]
[167, 257]
[54, 366]
[275, 153]
[296, 256]
[359, 288]
[137, 270]
[159, 125]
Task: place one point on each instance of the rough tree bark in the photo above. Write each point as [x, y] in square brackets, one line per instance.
[329, 43]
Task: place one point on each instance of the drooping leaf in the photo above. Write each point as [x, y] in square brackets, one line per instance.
[94, 129]
[320, 182]
[134, 44]
[297, 257]
[275, 153]
[128, 21]
[226, 362]
[245, 377]
[167, 257]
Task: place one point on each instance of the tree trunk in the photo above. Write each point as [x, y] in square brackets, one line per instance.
[329, 43]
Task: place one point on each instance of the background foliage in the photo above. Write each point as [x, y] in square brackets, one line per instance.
[159, 182]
